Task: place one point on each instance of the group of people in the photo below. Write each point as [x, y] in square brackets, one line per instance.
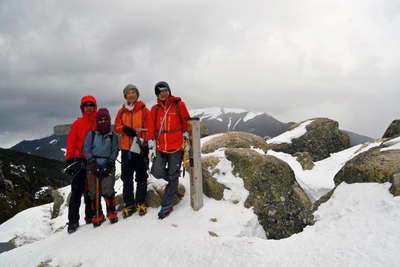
[142, 135]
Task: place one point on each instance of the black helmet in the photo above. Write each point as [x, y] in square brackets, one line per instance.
[161, 86]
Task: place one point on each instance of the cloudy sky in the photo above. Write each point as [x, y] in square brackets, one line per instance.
[292, 59]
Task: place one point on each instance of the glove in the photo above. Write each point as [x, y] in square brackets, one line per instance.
[151, 144]
[110, 164]
[129, 131]
[186, 135]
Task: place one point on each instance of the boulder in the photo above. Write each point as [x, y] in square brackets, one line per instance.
[234, 140]
[281, 205]
[211, 187]
[322, 138]
[155, 192]
[374, 166]
[305, 159]
[393, 130]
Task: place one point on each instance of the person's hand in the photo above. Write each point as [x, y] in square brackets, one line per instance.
[110, 164]
[186, 136]
[129, 131]
[151, 144]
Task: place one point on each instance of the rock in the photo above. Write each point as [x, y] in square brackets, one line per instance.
[211, 187]
[58, 200]
[374, 166]
[322, 138]
[213, 234]
[305, 159]
[153, 199]
[155, 194]
[281, 205]
[234, 140]
[395, 188]
[119, 202]
[393, 130]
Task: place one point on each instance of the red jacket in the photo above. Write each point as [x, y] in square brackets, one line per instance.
[79, 130]
[169, 135]
[135, 119]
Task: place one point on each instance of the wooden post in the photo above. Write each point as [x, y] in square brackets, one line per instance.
[196, 174]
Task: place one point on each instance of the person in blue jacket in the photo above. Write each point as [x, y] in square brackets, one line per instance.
[101, 150]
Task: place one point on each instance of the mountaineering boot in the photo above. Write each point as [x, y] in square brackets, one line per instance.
[128, 211]
[98, 220]
[72, 227]
[112, 217]
[164, 212]
[142, 209]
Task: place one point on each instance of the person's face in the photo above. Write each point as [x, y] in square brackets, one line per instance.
[163, 95]
[88, 107]
[131, 96]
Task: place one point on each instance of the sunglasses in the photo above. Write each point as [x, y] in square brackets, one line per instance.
[103, 120]
[163, 89]
[89, 105]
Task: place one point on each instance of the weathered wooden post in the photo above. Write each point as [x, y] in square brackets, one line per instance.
[196, 174]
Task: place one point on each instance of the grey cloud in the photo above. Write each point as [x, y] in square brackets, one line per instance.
[292, 59]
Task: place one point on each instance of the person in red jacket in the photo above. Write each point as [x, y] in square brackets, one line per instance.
[167, 130]
[76, 163]
[130, 123]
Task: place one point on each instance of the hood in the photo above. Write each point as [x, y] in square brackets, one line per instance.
[88, 98]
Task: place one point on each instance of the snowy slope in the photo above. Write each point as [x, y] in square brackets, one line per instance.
[288, 136]
[347, 232]
[319, 180]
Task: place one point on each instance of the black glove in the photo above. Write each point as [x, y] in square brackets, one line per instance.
[129, 131]
[110, 164]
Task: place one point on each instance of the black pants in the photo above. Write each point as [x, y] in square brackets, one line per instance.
[131, 163]
[79, 188]
[168, 167]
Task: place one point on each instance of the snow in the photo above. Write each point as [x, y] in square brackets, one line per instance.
[393, 144]
[358, 226]
[37, 148]
[41, 191]
[319, 180]
[54, 141]
[288, 136]
[251, 115]
[346, 233]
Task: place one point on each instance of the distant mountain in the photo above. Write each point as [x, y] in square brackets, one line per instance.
[356, 139]
[220, 120]
[51, 147]
[216, 119]
[24, 181]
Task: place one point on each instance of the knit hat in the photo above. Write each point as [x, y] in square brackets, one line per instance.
[161, 86]
[131, 87]
[103, 121]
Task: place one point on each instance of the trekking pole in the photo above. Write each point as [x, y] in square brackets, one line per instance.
[97, 196]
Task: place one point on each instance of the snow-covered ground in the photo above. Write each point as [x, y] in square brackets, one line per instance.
[288, 136]
[319, 180]
[358, 226]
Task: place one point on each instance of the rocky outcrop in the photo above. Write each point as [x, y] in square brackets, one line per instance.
[322, 138]
[305, 159]
[393, 130]
[234, 140]
[281, 205]
[211, 187]
[373, 165]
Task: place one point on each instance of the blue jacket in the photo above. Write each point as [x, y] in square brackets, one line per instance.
[102, 149]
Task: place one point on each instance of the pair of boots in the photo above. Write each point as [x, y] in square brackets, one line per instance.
[131, 209]
[98, 217]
